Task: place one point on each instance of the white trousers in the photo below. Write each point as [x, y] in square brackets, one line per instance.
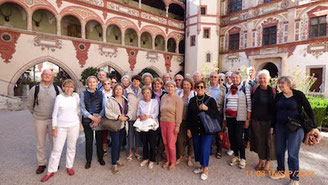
[42, 128]
[72, 134]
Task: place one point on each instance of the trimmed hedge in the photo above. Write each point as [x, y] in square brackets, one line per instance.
[320, 110]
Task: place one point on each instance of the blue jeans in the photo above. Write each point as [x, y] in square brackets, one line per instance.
[202, 148]
[290, 141]
[117, 140]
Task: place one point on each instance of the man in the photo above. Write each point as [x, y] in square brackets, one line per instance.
[228, 79]
[102, 75]
[217, 91]
[197, 77]
[40, 103]
[166, 77]
[178, 82]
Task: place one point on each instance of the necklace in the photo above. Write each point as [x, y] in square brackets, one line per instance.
[200, 101]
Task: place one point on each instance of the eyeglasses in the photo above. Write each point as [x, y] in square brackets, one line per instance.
[177, 79]
[213, 77]
[221, 80]
[200, 87]
[114, 82]
[106, 83]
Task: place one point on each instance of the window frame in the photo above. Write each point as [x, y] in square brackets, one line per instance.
[203, 7]
[318, 26]
[270, 34]
[193, 40]
[209, 32]
[233, 40]
[234, 7]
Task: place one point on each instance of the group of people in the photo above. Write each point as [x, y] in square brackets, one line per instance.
[251, 111]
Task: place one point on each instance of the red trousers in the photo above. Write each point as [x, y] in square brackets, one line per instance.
[169, 140]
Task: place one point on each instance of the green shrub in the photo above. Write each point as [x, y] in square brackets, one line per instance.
[90, 71]
[320, 110]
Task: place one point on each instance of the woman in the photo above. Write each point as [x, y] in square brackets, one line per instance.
[65, 125]
[237, 114]
[201, 140]
[118, 108]
[92, 106]
[186, 94]
[133, 93]
[114, 82]
[148, 109]
[171, 117]
[289, 103]
[262, 117]
[126, 81]
[147, 79]
[107, 90]
[221, 79]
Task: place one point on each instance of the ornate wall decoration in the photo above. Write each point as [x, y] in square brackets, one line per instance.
[233, 58]
[83, 13]
[168, 58]
[154, 31]
[122, 9]
[47, 43]
[94, 2]
[123, 23]
[316, 49]
[8, 40]
[152, 17]
[59, 3]
[132, 53]
[81, 49]
[152, 56]
[108, 51]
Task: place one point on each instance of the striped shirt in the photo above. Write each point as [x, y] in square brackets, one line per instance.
[232, 101]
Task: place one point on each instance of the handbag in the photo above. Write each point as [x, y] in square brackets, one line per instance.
[99, 127]
[293, 124]
[111, 124]
[210, 124]
[148, 124]
[224, 140]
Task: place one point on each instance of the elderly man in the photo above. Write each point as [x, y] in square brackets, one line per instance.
[166, 77]
[178, 82]
[228, 79]
[197, 77]
[102, 75]
[41, 102]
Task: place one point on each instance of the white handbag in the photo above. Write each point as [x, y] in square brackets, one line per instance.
[148, 124]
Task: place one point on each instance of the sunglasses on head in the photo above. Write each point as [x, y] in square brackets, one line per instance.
[200, 87]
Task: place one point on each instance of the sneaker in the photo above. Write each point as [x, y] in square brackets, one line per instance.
[278, 175]
[47, 177]
[234, 161]
[293, 182]
[198, 170]
[151, 165]
[143, 163]
[242, 164]
[203, 176]
[114, 169]
[230, 152]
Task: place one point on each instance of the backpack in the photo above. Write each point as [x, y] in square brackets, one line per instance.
[36, 93]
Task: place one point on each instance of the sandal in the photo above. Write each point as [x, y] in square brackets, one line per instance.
[166, 165]
[218, 155]
[259, 167]
[138, 156]
[129, 158]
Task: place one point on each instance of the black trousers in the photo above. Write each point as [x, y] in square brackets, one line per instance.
[149, 141]
[236, 131]
[89, 142]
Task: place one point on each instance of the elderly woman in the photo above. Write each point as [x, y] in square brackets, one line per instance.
[118, 108]
[65, 126]
[290, 104]
[92, 106]
[148, 108]
[133, 94]
[126, 81]
[186, 94]
[107, 90]
[237, 115]
[202, 141]
[171, 117]
[262, 117]
[221, 79]
[147, 79]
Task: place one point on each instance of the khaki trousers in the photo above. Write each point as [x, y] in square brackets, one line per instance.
[42, 128]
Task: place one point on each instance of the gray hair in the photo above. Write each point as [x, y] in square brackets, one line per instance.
[214, 72]
[177, 76]
[263, 72]
[249, 69]
[157, 79]
[146, 74]
[229, 72]
[170, 82]
[126, 76]
[196, 73]
[90, 78]
[290, 81]
[221, 75]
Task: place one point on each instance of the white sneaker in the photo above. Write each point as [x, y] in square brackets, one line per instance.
[292, 182]
[242, 164]
[234, 161]
[143, 163]
[198, 170]
[230, 152]
[278, 175]
[151, 165]
[203, 176]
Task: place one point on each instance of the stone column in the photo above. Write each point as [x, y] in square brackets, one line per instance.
[166, 45]
[29, 20]
[139, 3]
[104, 33]
[58, 19]
[291, 24]
[139, 38]
[153, 43]
[123, 37]
[284, 66]
[177, 47]
[167, 11]
[83, 23]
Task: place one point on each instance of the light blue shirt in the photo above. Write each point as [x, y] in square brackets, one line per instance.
[215, 92]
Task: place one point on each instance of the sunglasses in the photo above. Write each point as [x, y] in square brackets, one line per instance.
[213, 77]
[114, 82]
[221, 80]
[106, 83]
[200, 87]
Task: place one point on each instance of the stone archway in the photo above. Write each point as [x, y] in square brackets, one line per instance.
[272, 68]
[34, 62]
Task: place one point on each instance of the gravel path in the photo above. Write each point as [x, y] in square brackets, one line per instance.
[18, 163]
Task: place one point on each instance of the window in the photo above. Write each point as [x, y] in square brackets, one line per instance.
[270, 36]
[206, 33]
[234, 5]
[318, 26]
[193, 40]
[208, 57]
[266, 1]
[234, 42]
[203, 10]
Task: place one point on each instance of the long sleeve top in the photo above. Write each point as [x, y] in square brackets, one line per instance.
[171, 109]
[143, 108]
[66, 110]
[84, 111]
